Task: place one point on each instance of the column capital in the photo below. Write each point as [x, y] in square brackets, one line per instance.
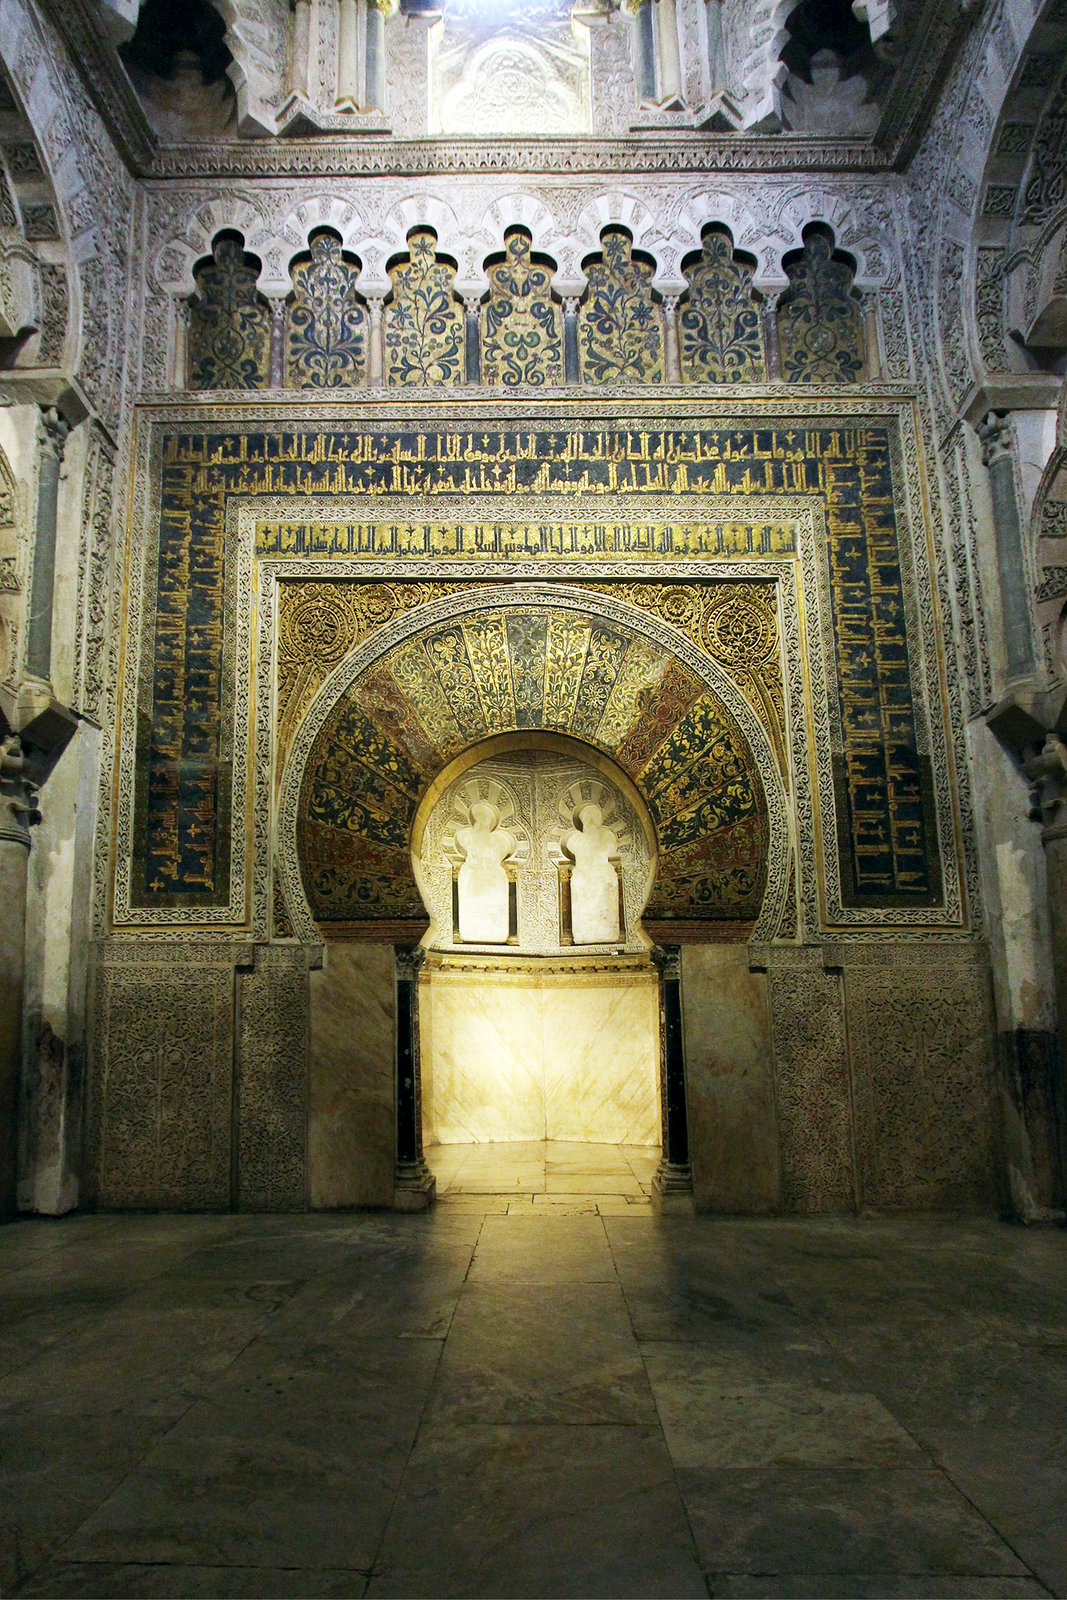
[53, 432]
[18, 795]
[571, 302]
[408, 961]
[1047, 772]
[472, 304]
[995, 435]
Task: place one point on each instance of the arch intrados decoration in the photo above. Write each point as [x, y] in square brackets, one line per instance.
[526, 597]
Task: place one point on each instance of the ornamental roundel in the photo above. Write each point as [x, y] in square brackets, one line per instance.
[317, 622]
[739, 633]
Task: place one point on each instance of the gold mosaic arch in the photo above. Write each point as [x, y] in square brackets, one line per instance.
[398, 711]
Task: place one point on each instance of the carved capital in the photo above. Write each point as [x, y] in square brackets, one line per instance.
[53, 432]
[1047, 773]
[571, 302]
[472, 304]
[994, 433]
[18, 796]
[408, 962]
[667, 959]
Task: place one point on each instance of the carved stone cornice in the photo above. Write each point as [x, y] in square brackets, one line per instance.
[101, 71]
[679, 152]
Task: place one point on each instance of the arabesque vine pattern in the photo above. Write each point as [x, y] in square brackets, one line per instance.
[229, 323]
[521, 324]
[423, 319]
[620, 325]
[326, 322]
[720, 334]
[820, 325]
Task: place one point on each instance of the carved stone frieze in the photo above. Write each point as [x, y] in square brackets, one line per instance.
[272, 1080]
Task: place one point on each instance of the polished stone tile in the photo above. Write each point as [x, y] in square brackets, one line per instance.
[543, 1249]
[53, 1471]
[715, 1415]
[562, 1354]
[106, 1580]
[868, 1586]
[252, 1488]
[824, 1520]
[502, 1511]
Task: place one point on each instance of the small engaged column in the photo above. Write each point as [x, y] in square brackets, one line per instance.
[347, 55]
[375, 342]
[374, 99]
[572, 366]
[472, 334]
[672, 1187]
[672, 354]
[51, 438]
[415, 1186]
[300, 49]
[670, 59]
[996, 436]
[644, 50]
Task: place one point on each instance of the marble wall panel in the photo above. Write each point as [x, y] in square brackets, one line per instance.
[523, 1055]
[272, 1075]
[351, 1128]
[733, 1137]
[601, 1058]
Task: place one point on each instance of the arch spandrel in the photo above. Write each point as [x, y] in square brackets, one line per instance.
[402, 707]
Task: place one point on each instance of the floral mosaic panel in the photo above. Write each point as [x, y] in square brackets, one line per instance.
[620, 325]
[522, 326]
[326, 322]
[720, 332]
[820, 325]
[423, 319]
[229, 323]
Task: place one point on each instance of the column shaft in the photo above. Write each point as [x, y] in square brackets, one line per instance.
[374, 98]
[670, 60]
[415, 1186]
[670, 331]
[300, 52]
[673, 1184]
[572, 366]
[644, 51]
[347, 53]
[375, 343]
[51, 439]
[995, 434]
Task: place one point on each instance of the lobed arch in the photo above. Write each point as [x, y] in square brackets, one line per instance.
[366, 677]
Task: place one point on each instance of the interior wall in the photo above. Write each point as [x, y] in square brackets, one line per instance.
[526, 1055]
[351, 1130]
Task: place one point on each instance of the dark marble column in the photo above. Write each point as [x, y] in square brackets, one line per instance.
[52, 437]
[672, 1187]
[995, 433]
[572, 366]
[472, 334]
[415, 1185]
[18, 811]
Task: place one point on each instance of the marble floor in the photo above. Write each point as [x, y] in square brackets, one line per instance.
[574, 1179]
[508, 1397]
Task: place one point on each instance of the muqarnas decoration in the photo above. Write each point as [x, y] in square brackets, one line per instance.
[522, 326]
[620, 324]
[820, 324]
[423, 319]
[719, 322]
[229, 321]
[326, 321]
